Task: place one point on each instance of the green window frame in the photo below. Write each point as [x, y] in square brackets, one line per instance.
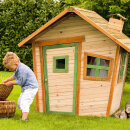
[97, 67]
[122, 63]
[60, 70]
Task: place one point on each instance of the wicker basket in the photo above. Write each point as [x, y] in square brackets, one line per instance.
[7, 108]
[4, 91]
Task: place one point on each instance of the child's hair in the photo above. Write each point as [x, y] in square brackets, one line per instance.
[10, 59]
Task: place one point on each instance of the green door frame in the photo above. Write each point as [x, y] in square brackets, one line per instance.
[46, 76]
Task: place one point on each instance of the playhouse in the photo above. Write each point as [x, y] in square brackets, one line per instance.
[80, 60]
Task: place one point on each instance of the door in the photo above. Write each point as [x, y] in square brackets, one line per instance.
[60, 77]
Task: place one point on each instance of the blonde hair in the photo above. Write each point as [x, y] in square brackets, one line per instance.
[10, 59]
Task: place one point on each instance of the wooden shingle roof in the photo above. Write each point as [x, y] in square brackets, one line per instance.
[91, 17]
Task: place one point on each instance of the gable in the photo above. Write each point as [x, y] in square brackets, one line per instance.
[72, 26]
[92, 18]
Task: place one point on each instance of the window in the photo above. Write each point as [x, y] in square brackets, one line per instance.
[122, 63]
[60, 63]
[97, 67]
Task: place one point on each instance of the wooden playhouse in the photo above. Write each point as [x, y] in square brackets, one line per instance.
[80, 60]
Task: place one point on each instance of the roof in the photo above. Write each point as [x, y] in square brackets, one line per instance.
[91, 17]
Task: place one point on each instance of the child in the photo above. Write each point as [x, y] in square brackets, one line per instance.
[25, 78]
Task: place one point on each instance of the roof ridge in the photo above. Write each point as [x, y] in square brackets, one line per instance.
[82, 9]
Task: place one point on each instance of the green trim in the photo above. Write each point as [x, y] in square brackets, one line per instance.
[45, 78]
[75, 76]
[98, 67]
[65, 70]
[97, 64]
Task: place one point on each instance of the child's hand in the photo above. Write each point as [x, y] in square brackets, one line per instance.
[3, 82]
[8, 84]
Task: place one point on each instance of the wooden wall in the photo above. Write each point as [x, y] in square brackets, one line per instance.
[94, 95]
[118, 89]
[38, 71]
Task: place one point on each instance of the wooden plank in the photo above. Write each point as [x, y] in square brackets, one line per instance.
[72, 26]
[109, 52]
[61, 109]
[66, 50]
[102, 51]
[98, 92]
[61, 41]
[98, 99]
[91, 111]
[35, 71]
[86, 86]
[83, 97]
[62, 79]
[61, 100]
[59, 84]
[125, 40]
[104, 103]
[78, 77]
[51, 54]
[94, 108]
[113, 82]
[62, 97]
[61, 94]
[94, 113]
[42, 80]
[60, 104]
[51, 91]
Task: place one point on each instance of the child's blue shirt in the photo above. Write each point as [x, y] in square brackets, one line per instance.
[25, 77]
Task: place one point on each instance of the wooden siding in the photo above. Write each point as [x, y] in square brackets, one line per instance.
[60, 85]
[118, 89]
[38, 67]
[67, 28]
[94, 95]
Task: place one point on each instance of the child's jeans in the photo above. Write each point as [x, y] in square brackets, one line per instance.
[26, 99]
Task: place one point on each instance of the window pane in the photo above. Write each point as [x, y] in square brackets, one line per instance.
[104, 62]
[60, 64]
[91, 72]
[103, 73]
[122, 64]
[121, 72]
[91, 60]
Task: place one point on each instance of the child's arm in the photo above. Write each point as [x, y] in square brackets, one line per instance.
[9, 79]
[8, 84]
